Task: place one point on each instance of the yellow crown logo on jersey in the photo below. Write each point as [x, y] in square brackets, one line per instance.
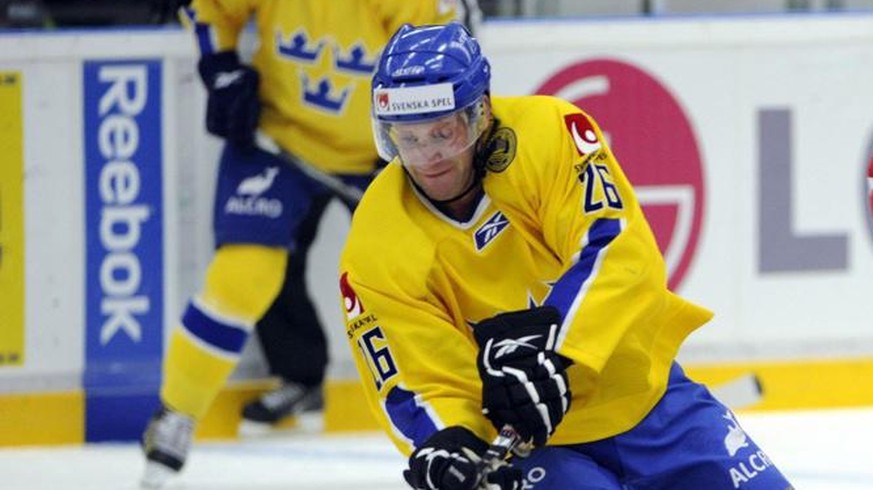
[296, 47]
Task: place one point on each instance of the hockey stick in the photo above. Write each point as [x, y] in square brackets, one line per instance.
[507, 440]
[346, 192]
[741, 392]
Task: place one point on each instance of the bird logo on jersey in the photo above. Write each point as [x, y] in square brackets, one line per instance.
[736, 438]
[258, 184]
[351, 303]
[249, 199]
[583, 133]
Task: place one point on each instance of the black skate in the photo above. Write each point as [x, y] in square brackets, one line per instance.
[304, 404]
[166, 442]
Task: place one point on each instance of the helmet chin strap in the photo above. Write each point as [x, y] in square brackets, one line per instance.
[475, 183]
[480, 156]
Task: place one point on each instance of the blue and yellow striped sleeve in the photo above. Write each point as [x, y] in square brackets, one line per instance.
[615, 277]
[217, 23]
[418, 370]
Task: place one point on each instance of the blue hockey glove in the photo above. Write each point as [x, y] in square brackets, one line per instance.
[524, 381]
[448, 461]
[232, 106]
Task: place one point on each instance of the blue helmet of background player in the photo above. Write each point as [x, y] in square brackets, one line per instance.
[429, 94]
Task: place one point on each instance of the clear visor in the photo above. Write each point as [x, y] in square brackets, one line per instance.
[424, 142]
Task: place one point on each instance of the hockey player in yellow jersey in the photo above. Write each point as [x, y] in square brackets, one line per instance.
[306, 87]
[499, 273]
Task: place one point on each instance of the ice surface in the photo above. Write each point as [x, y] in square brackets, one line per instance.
[818, 450]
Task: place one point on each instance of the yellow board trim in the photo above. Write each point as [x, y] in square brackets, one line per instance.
[11, 221]
[59, 418]
[792, 385]
[42, 418]
[346, 409]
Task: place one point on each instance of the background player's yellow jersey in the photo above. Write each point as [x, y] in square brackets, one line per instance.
[316, 59]
[559, 225]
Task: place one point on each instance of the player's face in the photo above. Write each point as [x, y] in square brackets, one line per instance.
[437, 154]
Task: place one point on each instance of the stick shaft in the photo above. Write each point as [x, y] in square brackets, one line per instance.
[507, 440]
[738, 393]
[345, 191]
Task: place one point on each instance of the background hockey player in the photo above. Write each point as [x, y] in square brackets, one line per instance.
[307, 87]
[500, 272]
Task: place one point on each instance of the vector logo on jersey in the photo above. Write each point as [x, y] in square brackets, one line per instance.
[351, 303]
[583, 134]
[655, 143]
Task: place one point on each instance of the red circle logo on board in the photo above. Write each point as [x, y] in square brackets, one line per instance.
[653, 141]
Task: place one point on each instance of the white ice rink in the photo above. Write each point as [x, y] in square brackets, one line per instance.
[820, 450]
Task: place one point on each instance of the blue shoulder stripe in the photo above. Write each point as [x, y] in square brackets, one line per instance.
[570, 285]
[202, 31]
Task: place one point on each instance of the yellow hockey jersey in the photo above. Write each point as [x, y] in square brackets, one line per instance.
[316, 59]
[559, 224]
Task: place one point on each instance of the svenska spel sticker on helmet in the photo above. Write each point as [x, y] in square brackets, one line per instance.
[423, 99]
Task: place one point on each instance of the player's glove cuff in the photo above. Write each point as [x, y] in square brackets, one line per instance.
[448, 460]
[232, 107]
[524, 381]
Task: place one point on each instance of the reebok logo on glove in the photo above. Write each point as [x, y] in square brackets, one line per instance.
[508, 346]
[524, 380]
[226, 79]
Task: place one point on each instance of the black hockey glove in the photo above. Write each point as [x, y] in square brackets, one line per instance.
[524, 382]
[448, 461]
[232, 106]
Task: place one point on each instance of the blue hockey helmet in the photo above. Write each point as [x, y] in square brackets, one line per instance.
[426, 74]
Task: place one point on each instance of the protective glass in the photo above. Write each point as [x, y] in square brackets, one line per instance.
[426, 141]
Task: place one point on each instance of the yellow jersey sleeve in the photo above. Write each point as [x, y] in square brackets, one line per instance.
[418, 370]
[615, 272]
[621, 326]
[218, 23]
[613, 292]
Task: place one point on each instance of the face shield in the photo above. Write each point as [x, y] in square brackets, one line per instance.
[422, 136]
